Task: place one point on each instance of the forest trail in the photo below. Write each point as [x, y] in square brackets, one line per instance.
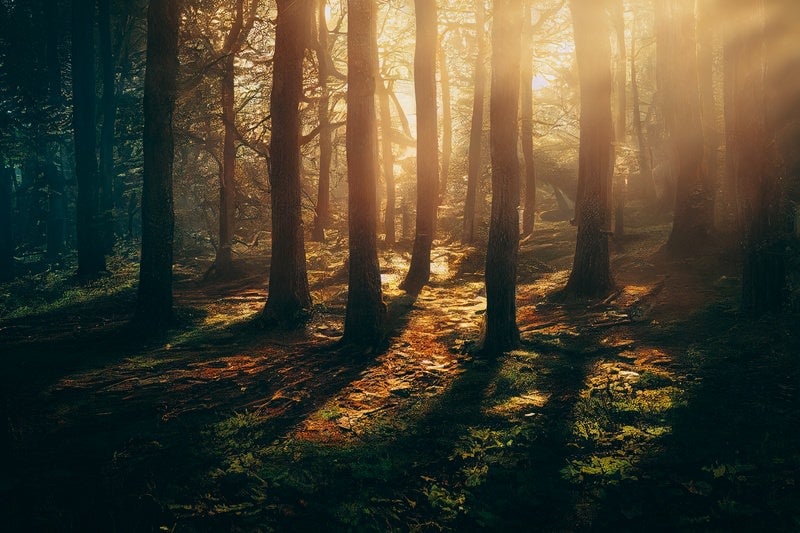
[221, 426]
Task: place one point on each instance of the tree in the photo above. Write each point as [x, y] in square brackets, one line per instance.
[419, 271]
[322, 211]
[476, 127]
[91, 258]
[289, 299]
[526, 121]
[108, 106]
[387, 159]
[365, 314]
[447, 119]
[591, 269]
[154, 297]
[500, 328]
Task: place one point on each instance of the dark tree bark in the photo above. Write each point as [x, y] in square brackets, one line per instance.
[366, 313]
[387, 160]
[322, 215]
[7, 245]
[447, 122]
[526, 121]
[476, 128]
[591, 270]
[500, 329]
[91, 259]
[289, 299]
[108, 106]
[427, 146]
[694, 195]
[154, 298]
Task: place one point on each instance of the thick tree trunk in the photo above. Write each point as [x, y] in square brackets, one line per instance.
[387, 159]
[289, 299]
[7, 246]
[476, 128]
[154, 299]
[365, 315]
[447, 122]
[500, 328]
[526, 121]
[322, 214]
[694, 195]
[108, 106]
[427, 146]
[91, 260]
[591, 269]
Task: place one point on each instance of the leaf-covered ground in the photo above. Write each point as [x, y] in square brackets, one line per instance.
[659, 407]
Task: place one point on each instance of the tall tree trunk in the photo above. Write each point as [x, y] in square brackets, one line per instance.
[476, 127]
[526, 121]
[643, 155]
[447, 122]
[500, 328]
[154, 298]
[707, 22]
[694, 195]
[91, 260]
[7, 246]
[591, 269]
[387, 158]
[289, 299]
[108, 106]
[427, 146]
[620, 124]
[322, 213]
[366, 313]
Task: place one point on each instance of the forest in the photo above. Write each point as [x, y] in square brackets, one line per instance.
[386, 265]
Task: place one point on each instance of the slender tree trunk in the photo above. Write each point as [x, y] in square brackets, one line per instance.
[526, 121]
[365, 315]
[387, 158]
[500, 327]
[91, 260]
[289, 299]
[427, 146]
[7, 246]
[591, 269]
[154, 299]
[108, 105]
[322, 214]
[447, 122]
[645, 161]
[476, 128]
[620, 125]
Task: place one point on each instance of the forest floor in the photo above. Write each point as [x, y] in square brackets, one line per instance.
[660, 407]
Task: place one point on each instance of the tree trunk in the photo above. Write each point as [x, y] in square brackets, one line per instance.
[620, 124]
[500, 328]
[707, 21]
[322, 213]
[644, 158]
[289, 299]
[91, 260]
[387, 158]
[427, 146]
[447, 122]
[694, 195]
[108, 106]
[366, 313]
[154, 299]
[7, 246]
[54, 177]
[526, 121]
[591, 269]
[476, 128]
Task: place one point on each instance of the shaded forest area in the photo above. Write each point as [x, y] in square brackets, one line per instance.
[373, 265]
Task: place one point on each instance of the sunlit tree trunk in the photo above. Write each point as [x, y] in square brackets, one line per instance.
[476, 128]
[591, 270]
[427, 146]
[694, 195]
[322, 212]
[387, 160]
[526, 121]
[289, 299]
[108, 105]
[91, 259]
[500, 328]
[366, 313]
[620, 124]
[447, 122]
[154, 297]
[644, 157]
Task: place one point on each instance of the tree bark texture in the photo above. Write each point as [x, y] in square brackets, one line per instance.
[91, 259]
[591, 269]
[154, 299]
[476, 128]
[289, 299]
[500, 328]
[366, 313]
[427, 146]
